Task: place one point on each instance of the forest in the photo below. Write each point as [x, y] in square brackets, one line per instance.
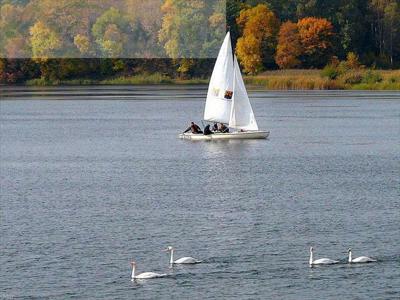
[45, 41]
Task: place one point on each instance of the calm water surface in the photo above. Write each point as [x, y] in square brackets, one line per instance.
[87, 186]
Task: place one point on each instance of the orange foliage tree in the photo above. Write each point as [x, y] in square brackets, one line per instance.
[289, 46]
[255, 47]
[316, 36]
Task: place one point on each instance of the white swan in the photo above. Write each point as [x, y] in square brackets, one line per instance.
[361, 259]
[183, 260]
[321, 261]
[145, 275]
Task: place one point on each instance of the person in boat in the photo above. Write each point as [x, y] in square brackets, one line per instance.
[222, 128]
[207, 130]
[194, 128]
[215, 127]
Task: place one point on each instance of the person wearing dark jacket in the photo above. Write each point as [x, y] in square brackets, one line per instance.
[194, 128]
[207, 130]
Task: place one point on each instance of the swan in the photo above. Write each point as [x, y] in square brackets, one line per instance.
[183, 260]
[361, 259]
[321, 261]
[145, 275]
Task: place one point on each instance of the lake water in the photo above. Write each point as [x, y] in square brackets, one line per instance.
[87, 186]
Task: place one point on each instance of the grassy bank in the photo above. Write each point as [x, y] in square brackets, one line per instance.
[151, 79]
[315, 80]
[273, 80]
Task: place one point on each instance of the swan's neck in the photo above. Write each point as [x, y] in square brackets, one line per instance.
[311, 258]
[133, 272]
[350, 256]
[171, 257]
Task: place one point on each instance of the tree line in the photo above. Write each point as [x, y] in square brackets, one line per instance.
[139, 37]
[309, 33]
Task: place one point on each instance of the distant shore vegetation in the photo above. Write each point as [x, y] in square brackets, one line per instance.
[291, 79]
[285, 44]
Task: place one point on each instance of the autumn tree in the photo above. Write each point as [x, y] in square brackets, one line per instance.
[10, 17]
[67, 18]
[145, 19]
[289, 46]
[255, 48]
[44, 41]
[82, 43]
[308, 43]
[109, 32]
[352, 61]
[316, 39]
[17, 47]
[2, 70]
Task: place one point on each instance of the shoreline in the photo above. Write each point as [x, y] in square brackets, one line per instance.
[281, 80]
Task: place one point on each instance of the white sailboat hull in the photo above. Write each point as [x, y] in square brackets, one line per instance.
[226, 136]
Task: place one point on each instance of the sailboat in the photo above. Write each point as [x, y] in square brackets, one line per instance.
[227, 101]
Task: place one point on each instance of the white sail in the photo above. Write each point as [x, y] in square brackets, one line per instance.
[241, 116]
[220, 90]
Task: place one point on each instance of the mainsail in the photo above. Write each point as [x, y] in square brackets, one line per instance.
[241, 116]
[220, 90]
[227, 100]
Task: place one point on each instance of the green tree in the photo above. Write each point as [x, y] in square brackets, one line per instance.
[141, 43]
[352, 24]
[317, 8]
[109, 32]
[186, 29]
[217, 29]
[385, 23]
[392, 25]
[233, 8]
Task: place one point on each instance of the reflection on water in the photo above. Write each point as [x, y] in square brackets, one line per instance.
[228, 149]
